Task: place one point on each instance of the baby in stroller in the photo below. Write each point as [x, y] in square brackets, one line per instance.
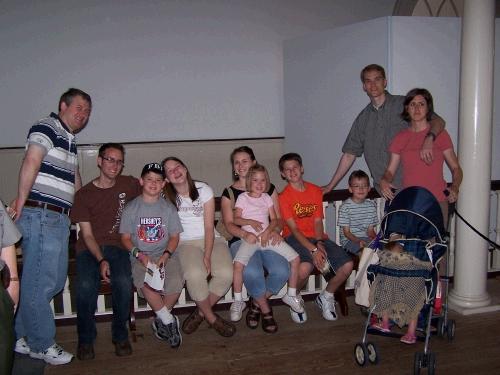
[404, 284]
[399, 299]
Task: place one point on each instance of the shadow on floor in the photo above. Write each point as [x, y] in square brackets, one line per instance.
[25, 365]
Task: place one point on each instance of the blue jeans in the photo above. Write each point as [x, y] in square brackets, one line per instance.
[277, 267]
[45, 269]
[87, 290]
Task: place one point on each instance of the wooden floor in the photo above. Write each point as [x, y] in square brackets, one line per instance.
[316, 347]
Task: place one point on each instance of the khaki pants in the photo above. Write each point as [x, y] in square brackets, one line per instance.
[191, 255]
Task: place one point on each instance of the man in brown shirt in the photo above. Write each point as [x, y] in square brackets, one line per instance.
[100, 254]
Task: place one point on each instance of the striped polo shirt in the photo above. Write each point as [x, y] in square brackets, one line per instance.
[358, 217]
[55, 182]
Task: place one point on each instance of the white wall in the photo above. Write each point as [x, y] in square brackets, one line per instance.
[158, 70]
[323, 93]
[425, 52]
[207, 161]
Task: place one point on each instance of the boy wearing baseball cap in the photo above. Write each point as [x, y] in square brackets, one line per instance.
[150, 228]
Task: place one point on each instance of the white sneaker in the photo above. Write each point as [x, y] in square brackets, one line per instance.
[295, 303]
[299, 317]
[237, 308]
[22, 346]
[55, 355]
[328, 306]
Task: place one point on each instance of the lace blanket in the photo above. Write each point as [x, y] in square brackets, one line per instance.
[401, 298]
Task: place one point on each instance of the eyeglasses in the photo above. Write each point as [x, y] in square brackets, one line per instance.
[113, 161]
[360, 187]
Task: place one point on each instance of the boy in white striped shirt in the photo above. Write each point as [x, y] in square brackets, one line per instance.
[357, 215]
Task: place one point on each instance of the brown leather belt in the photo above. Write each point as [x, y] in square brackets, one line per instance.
[30, 203]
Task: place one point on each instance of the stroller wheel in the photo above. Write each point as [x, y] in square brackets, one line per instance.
[451, 329]
[373, 352]
[432, 360]
[416, 364]
[361, 354]
[440, 328]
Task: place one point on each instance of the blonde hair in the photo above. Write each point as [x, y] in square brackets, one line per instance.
[394, 246]
[254, 169]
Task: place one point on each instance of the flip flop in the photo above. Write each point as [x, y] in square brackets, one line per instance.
[409, 339]
[379, 326]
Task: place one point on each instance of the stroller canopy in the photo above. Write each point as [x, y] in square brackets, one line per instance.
[414, 212]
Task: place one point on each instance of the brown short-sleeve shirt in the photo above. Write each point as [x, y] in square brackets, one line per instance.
[103, 208]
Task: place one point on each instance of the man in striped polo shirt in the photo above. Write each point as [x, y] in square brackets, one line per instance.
[48, 180]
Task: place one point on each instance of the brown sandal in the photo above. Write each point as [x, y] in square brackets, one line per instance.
[223, 327]
[253, 315]
[192, 322]
[268, 321]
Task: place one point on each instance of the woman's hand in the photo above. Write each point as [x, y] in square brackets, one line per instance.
[206, 262]
[264, 239]
[250, 238]
[256, 225]
[386, 189]
[275, 238]
[453, 194]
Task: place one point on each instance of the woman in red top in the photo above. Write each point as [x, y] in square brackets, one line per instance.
[418, 107]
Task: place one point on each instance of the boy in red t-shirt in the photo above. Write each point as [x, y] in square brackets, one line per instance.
[301, 205]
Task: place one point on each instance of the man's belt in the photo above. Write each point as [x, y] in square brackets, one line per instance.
[30, 203]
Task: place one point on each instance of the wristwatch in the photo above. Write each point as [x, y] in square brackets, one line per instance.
[431, 134]
[169, 254]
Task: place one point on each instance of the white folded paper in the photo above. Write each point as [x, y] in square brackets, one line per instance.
[155, 277]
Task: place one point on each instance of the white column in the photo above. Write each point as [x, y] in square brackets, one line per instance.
[474, 154]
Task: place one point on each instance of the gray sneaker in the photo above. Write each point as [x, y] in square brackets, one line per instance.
[169, 332]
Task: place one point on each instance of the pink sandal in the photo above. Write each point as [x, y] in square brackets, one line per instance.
[380, 326]
[409, 338]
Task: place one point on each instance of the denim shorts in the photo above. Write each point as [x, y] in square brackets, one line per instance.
[336, 255]
[353, 247]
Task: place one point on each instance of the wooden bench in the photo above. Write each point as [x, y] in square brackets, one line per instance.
[340, 294]
[105, 289]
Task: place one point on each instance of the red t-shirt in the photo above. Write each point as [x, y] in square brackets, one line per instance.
[103, 208]
[303, 207]
[407, 144]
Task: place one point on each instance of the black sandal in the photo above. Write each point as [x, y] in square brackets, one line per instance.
[253, 315]
[268, 321]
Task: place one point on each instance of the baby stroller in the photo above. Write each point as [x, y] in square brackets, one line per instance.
[416, 214]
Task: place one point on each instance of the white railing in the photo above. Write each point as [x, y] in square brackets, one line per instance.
[63, 307]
